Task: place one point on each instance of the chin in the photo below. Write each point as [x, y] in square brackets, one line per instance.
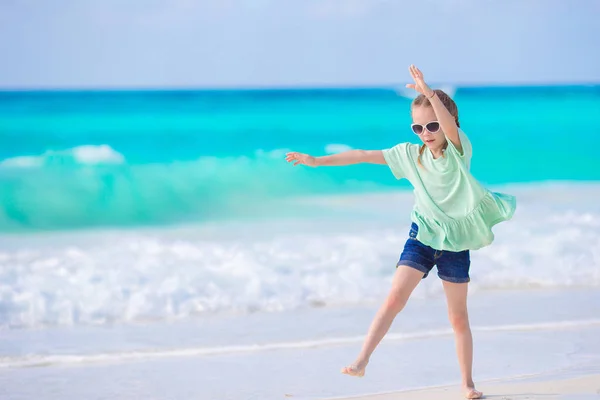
[434, 146]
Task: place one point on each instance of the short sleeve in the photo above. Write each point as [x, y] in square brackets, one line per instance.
[398, 159]
[467, 152]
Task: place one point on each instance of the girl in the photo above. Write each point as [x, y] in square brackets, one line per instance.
[453, 214]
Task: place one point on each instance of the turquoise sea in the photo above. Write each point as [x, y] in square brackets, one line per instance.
[123, 158]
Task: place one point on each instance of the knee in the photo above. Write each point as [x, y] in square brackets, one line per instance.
[395, 302]
[459, 322]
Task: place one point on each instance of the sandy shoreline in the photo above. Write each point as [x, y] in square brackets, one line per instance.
[579, 388]
[526, 335]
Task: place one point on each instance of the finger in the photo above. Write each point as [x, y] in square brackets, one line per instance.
[412, 73]
[419, 73]
[416, 73]
[411, 86]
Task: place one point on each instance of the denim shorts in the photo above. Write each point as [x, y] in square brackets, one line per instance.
[452, 266]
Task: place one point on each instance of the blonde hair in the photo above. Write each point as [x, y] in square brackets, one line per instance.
[422, 101]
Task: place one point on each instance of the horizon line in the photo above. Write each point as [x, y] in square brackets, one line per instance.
[274, 88]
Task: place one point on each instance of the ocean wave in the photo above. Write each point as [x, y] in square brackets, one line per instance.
[82, 155]
[90, 186]
[172, 273]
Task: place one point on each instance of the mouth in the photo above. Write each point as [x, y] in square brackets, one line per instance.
[429, 141]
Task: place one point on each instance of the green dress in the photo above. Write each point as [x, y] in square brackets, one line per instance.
[453, 210]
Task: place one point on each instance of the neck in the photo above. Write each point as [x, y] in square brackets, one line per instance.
[437, 152]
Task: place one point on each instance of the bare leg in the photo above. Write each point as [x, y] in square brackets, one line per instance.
[404, 282]
[456, 297]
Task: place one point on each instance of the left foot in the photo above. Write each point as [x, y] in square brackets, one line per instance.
[356, 369]
[471, 393]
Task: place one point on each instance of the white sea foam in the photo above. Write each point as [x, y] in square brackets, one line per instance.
[102, 154]
[127, 276]
[22, 162]
[85, 154]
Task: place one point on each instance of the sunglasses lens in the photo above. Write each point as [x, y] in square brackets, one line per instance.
[433, 127]
[418, 129]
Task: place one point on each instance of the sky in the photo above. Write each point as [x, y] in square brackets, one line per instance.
[290, 43]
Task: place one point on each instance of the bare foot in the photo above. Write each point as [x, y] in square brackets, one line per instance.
[357, 369]
[471, 393]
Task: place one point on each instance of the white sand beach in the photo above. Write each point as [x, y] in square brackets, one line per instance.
[580, 388]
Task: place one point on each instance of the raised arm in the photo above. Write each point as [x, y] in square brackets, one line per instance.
[446, 120]
[340, 159]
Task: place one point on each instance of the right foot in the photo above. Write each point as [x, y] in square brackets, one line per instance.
[471, 393]
[356, 369]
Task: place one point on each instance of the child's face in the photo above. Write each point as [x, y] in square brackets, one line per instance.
[423, 115]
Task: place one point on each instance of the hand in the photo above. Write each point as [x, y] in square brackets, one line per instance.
[419, 85]
[301, 158]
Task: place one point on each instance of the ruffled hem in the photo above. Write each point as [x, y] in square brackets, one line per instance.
[471, 232]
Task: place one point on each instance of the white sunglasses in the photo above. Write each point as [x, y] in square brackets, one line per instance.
[432, 127]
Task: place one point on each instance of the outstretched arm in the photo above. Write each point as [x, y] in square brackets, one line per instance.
[446, 120]
[340, 159]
